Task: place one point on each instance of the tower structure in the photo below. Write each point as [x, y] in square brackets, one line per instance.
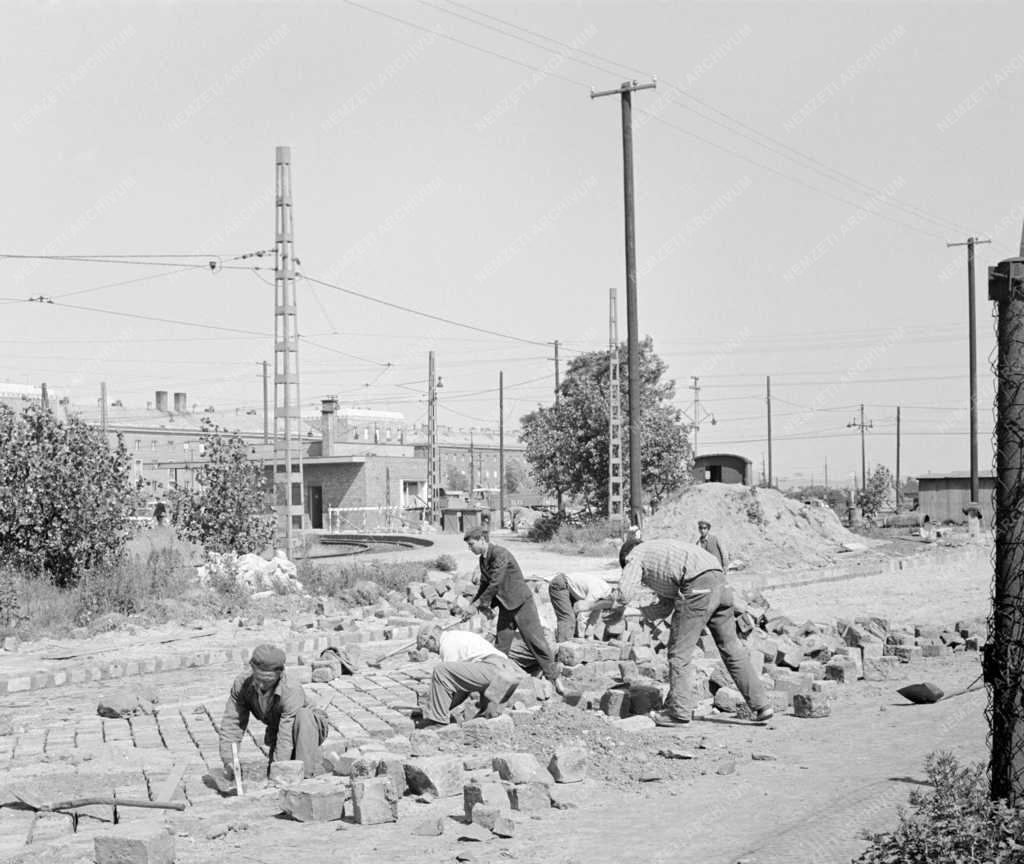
[614, 413]
[288, 486]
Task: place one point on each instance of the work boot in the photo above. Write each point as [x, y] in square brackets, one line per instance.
[664, 718]
[763, 715]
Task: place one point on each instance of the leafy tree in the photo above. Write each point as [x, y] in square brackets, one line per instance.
[227, 512]
[65, 495]
[879, 492]
[515, 475]
[567, 443]
[456, 479]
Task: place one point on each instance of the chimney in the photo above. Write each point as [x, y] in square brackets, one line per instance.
[181, 403]
[161, 400]
[328, 424]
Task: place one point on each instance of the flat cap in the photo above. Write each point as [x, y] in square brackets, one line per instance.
[703, 524]
[267, 657]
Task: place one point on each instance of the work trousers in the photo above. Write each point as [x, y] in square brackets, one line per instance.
[570, 610]
[707, 601]
[308, 733]
[526, 620]
[451, 683]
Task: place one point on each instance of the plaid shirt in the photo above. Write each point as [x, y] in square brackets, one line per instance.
[663, 566]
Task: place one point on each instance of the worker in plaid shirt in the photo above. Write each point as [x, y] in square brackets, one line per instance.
[689, 583]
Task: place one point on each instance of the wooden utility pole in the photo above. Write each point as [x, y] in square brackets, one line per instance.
[501, 449]
[970, 243]
[826, 473]
[45, 397]
[103, 406]
[472, 466]
[899, 485]
[636, 496]
[863, 451]
[768, 399]
[1004, 659]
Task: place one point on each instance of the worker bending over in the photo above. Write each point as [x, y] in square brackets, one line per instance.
[577, 594]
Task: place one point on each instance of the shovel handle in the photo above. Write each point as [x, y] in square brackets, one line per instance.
[119, 802]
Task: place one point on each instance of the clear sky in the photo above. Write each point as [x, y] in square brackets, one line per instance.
[799, 170]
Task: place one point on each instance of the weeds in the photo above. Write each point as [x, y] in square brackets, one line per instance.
[343, 580]
[955, 822]
[590, 539]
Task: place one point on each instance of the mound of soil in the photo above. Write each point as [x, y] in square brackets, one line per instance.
[761, 527]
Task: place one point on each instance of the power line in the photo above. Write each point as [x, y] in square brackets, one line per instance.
[783, 149]
[419, 312]
[158, 319]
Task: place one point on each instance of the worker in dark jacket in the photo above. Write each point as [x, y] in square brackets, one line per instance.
[502, 585]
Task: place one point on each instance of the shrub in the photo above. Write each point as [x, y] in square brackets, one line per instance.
[588, 539]
[343, 580]
[955, 822]
[227, 511]
[445, 563]
[755, 512]
[132, 587]
[544, 528]
[65, 495]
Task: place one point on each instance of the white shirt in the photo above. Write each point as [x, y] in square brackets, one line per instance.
[462, 646]
[588, 586]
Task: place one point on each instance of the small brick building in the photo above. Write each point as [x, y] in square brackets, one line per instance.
[721, 468]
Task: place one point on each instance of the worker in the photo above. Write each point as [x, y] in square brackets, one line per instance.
[574, 595]
[502, 585]
[633, 537]
[690, 584]
[469, 664]
[295, 729]
[709, 543]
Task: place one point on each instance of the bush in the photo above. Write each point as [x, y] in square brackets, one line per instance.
[445, 563]
[227, 511]
[955, 822]
[65, 495]
[348, 580]
[755, 512]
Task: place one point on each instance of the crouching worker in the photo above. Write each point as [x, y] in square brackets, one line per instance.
[295, 729]
[577, 594]
[469, 664]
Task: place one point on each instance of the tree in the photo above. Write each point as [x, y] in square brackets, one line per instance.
[567, 443]
[66, 495]
[515, 475]
[227, 512]
[879, 492]
[456, 479]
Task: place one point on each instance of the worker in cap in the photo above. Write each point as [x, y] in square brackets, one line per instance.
[469, 664]
[295, 729]
[709, 543]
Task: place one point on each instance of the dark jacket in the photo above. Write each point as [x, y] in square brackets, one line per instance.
[711, 544]
[501, 580]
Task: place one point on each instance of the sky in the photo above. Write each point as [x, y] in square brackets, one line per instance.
[799, 170]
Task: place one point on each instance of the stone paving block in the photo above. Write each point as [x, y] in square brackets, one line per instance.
[882, 668]
[51, 827]
[146, 842]
[814, 668]
[728, 699]
[530, 797]
[288, 772]
[497, 820]
[319, 799]
[615, 703]
[571, 653]
[829, 688]
[495, 733]
[841, 669]
[487, 792]
[568, 764]
[392, 766]
[811, 705]
[440, 776]
[644, 697]
[516, 767]
[374, 801]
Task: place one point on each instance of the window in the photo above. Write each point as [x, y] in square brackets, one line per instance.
[152, 445]
[138, 443]
[387, 433]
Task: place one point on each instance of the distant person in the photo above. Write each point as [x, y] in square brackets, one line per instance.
[502, 585]
[160, 514]
[576, 594]
[690, 585]
[295, 729]
[709, 543]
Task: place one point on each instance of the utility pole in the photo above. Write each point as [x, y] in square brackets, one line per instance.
[826, 473]
[699, 414]
[501, 449]
[1005, 655]
[768, 379]
[287, 404]
[433, 451]
[970, 243]
[558, 492]
[615, 475]
[44, 397]
[472, 467]
[853, 424]
[898, 483]
[103, 406]
[636, 497]
[266, 403]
